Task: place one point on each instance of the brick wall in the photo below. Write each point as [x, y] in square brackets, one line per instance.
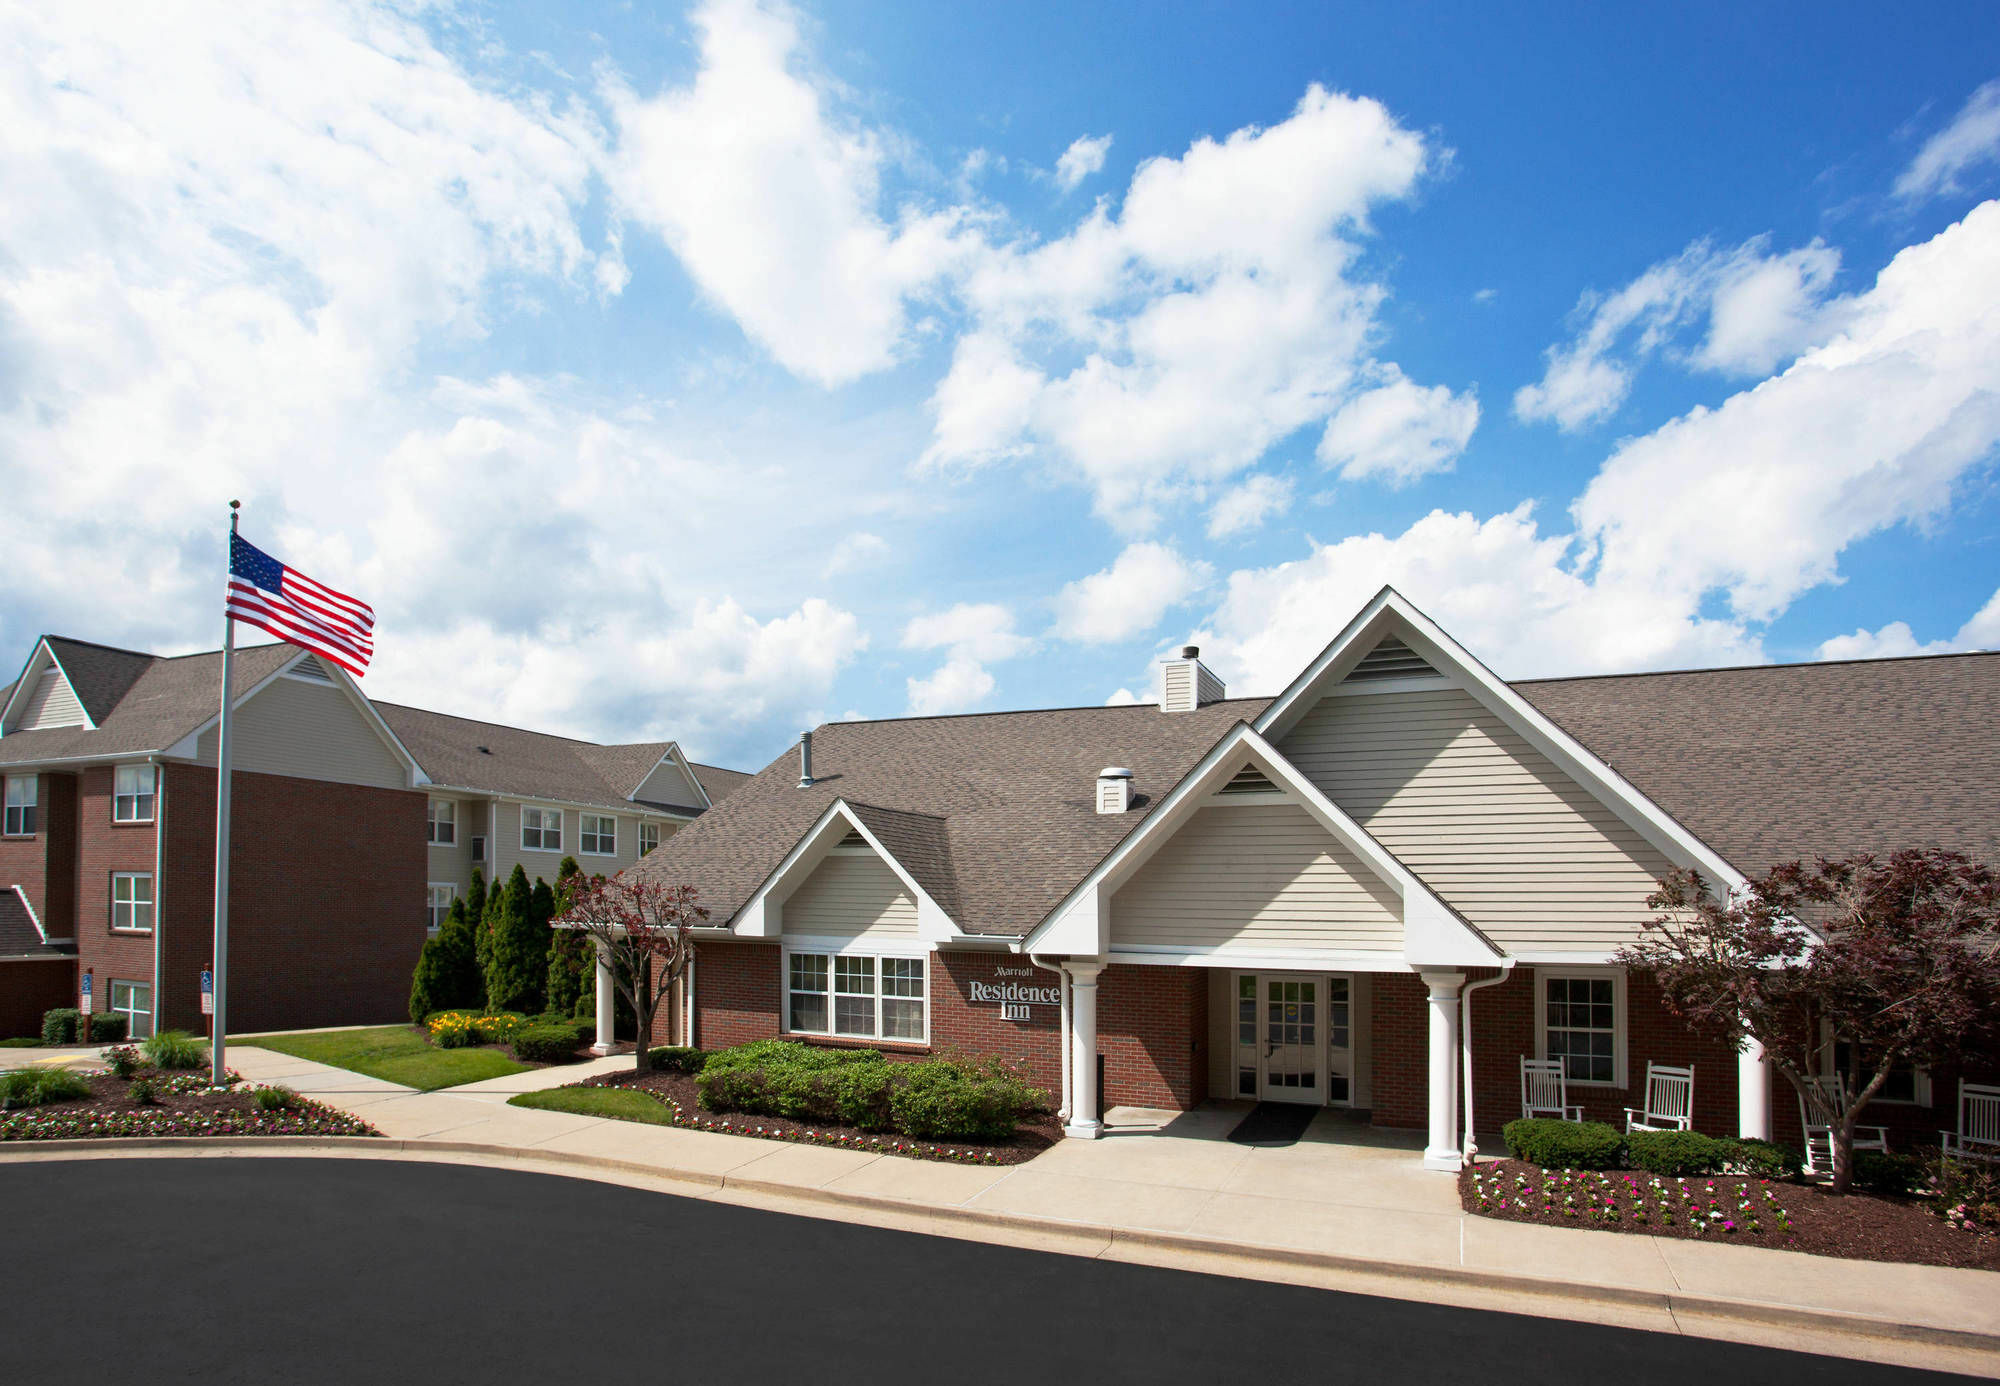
[1399, 1076]
[958, 1023]
[43, 864]
[27, 989]
[104, 847]
[1152, 1028]
[736, 992]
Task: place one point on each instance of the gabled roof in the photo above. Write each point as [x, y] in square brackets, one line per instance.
[1013, 793]
[19, 938]
[99, 675]
[488, 758]
[719, 783]
[920, 843]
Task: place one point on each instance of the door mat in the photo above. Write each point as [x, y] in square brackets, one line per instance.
[1274, 1123]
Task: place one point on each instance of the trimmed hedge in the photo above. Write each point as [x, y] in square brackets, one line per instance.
[1675, 1152]
[675, 1058]
[107, 1027]
[59, 1026]
[545, 1044]
[1554, 1144]
[930, 1099]
[1885, 1172]
[1765, 1159]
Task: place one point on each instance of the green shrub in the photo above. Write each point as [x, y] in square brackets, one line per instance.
[59, 1025]
[22, 1042]
[545, 1044]
[453, 1029]
[107, 1027]
[123, 1060]
[516, 958]
[933, 1099]
[783, 1078]
[1965, 1193]
[1556, 1144]
[1885, 1172]
[276, 1098]
[175, 1049]
[447, 975]
[498, 1027]
[1764, 1159]
[1675, 1152]
[32, 1087]
[948, 1100]
[142, 1093]
[675, 1058]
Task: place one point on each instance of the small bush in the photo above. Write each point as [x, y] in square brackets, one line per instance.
[1885, 1172]
[1965, 1193]
[1764, 1159]
[961, 1101]
[1675, 1152]
[276, 1098]
[675, 1058]
[122, 1060]
[142, 1093]
[175, 1050]
[1556, 1144]
[932, 1099]
[59, 1025]
[545, 1044]
[453, 1029]
[499, 1027]
[107, 1028]
[32, 1087]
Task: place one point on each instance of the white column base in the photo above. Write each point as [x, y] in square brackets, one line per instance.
[1451, 1161]
[1084, 1130]
[601, 1048]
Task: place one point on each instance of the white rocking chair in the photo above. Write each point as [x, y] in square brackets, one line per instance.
[1978, 1133]
[1543, 1093]
[1819, 1106]
[1669, 1100]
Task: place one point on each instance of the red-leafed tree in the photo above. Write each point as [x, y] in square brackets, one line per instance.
[645, 928]
[1896, 959]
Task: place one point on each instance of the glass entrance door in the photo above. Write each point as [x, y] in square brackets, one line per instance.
[1292, 1039]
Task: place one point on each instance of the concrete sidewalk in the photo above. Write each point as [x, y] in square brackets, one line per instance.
[1346, 1207]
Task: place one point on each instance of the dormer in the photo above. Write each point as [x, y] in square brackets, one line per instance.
[44, 699]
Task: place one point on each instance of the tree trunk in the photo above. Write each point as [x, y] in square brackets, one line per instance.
[642, 1011]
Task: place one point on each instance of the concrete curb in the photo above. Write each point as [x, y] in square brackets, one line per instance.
[1674, 1303]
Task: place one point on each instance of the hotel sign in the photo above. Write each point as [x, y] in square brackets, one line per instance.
[1015, 997]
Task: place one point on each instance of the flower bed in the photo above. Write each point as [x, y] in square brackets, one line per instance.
[184, 1104]
[679, 1093]
[1727, 1208]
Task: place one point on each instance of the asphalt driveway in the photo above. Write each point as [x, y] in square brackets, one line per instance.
[317, 1270]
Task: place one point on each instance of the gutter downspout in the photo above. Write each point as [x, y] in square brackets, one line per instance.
[159, 877]
[1471, 1142]
[1062, 992]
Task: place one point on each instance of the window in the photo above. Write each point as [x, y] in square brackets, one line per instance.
[541, 830]
[598, 835]
[132, 901]
[857, 995]
[478, 847]
[442, 894]
[1582, 1023]
[132, 788]
[441, 823]
[134, 1001]
[1910, 1086]
[20, 821]
[649, 837]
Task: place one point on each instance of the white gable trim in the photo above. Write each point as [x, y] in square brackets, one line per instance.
[1433, 934]
[35, 919]
[681, 763]
[1391, 612]
[762, 915]
[32, 675]
[187, 746]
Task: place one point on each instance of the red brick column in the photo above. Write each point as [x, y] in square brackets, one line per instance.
[1152, 1028]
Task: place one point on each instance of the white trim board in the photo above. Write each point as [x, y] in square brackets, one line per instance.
[32, 674]
[762, 915]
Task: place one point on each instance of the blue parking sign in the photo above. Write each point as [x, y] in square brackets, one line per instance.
[207, 992]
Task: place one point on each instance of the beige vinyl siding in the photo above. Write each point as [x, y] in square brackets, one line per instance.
[454, 863]
[850, 894]
[311, 731]
[52, 704]
[667, 785]
[1486, 821]
[1256, 876]
[503, 844]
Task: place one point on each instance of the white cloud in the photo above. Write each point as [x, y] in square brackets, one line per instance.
[1982, 632]
[1972, 138]
[1399, 431]
[1129, 597]
[973, 634]
[1248, 505]
[1124, 697]
[1084, 157]
[957, 685]
[856, 552]
[1761, 310]
[771, 200]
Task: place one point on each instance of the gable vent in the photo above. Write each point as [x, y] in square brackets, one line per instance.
[854, 839]
[1249, 780]
[310, 670]
[1391, 659]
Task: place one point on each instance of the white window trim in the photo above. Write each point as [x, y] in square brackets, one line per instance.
[152, 902]
[132, 1016]
[117, 798]
[32, 802]
[430, 901]
[537, 808]
[581, 834]
[1620, 1019]
[831, 948]
[647, 826]
[432, 823]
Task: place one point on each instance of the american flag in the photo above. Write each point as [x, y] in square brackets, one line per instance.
[290, 605]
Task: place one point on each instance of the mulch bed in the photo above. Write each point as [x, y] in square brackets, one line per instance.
[679, 1093]
[186, 1106]
[1740, 1210]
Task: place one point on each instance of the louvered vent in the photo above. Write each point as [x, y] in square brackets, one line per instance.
[854, 839]
[311, 670]
[1391, 659]
[1249, 780]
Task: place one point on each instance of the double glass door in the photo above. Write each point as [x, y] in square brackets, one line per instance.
[1293, 1037]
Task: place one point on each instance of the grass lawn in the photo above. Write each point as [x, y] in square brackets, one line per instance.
[620, 1103]
[394, 1053]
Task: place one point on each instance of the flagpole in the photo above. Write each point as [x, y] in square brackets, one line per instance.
[222, 748]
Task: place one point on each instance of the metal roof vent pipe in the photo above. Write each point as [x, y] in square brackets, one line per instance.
[1186, 683]
[806, 761]
[1114, 789]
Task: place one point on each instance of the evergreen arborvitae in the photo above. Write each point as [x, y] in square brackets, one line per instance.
[517, 951]
[475, 898]
[485, 920]
[542, 904]
[447, 976]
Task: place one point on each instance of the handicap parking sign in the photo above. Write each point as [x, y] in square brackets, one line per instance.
[207, 992]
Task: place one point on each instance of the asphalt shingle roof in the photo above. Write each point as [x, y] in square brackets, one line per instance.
[19, 938]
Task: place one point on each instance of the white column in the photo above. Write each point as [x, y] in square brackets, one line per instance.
[1083, 1122]
[1442, 1150]
[1753, 1092]
[607, 995]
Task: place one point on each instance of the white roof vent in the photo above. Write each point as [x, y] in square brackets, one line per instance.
[1391, 659]
[1114, 789]
[1186, 683]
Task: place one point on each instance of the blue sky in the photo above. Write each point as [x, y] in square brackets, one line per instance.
[707, 373]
